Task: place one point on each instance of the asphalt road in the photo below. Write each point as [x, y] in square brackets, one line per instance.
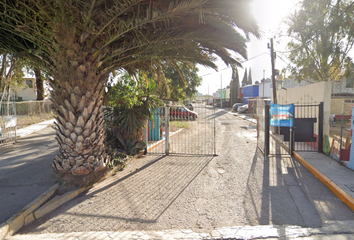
[25, 171]
[238, 187]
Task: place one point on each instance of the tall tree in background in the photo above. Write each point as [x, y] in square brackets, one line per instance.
[323, 34]
[249, 81]
[235, 84]
[80, 42]
[245, 79]
[183, 84]
[39, 84]
[11, 74]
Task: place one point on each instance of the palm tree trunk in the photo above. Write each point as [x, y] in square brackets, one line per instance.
[77, 104]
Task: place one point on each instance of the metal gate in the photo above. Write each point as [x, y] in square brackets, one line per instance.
[308, 128]
[177, 129]
[8, 122]
[306, 135]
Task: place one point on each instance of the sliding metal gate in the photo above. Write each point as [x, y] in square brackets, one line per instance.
[175, 130]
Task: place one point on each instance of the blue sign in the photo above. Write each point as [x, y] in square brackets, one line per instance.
[281, 115]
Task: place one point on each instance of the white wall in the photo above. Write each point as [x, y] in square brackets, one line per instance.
[28, 93]
[268, 89]
[309, 94]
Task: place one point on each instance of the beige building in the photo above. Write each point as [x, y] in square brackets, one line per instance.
[28, 92]
[310, 94]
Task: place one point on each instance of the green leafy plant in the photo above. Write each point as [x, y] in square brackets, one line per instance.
[130, 104]
[130, 146]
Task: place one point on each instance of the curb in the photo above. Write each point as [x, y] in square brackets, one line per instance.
[25, 215]
[36, 209]
[342, 195]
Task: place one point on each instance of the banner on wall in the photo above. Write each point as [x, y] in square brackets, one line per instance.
[282, 115]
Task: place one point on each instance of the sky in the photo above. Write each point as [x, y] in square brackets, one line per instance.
[269, 15]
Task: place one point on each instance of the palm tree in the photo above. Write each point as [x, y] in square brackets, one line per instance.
[80, 42]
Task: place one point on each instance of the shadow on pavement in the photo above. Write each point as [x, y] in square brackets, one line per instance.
[141, 196]
[290, 194]
[25, 171]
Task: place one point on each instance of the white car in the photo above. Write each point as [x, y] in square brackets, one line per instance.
[243, 108]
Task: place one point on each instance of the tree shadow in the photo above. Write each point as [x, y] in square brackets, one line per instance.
[140, 196]
[281, 191]
[277, 197]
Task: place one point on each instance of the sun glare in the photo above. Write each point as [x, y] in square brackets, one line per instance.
[270, 13]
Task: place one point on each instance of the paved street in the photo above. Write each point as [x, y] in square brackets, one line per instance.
[236, 188]
[25, 171]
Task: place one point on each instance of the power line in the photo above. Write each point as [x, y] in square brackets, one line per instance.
[311, 39]
[282, 60]
[241, 62]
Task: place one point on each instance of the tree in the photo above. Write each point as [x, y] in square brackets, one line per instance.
[81, 42]
[245, 79]
[249, 81]
[322, 33]
[11, 74]
[235, 84]
[39, 84]
[182, 84]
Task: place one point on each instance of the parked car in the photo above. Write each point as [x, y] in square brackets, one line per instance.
[190, 106]
[236, 105]
[243, 108]
[182, 112]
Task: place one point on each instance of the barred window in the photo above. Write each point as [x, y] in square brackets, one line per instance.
[29, 83]
[349, 83]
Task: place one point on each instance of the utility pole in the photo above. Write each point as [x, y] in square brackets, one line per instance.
[221, 88]
[272, 57]
[263, 82]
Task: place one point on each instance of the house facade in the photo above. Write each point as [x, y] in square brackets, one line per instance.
[28, 92]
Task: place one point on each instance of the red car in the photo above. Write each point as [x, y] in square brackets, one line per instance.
[181, 112]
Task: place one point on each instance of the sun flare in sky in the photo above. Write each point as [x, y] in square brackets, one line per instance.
[269, 15]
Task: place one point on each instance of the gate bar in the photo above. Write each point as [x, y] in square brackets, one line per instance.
[214, 131]
[320, 128]
[167, 131]
[266, 129]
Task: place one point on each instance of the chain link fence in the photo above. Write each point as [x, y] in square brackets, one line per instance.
[17, 115]
[31, 112]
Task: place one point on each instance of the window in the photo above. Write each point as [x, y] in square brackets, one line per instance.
[29, 83]
[349, 83]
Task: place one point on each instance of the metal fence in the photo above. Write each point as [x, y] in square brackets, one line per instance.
[176, 130]
[8, 122]
[305, 135]
[308, 130]
[17, 115]
[31, 112]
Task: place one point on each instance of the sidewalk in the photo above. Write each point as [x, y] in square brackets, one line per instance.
[336, 177]
[34, 128]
